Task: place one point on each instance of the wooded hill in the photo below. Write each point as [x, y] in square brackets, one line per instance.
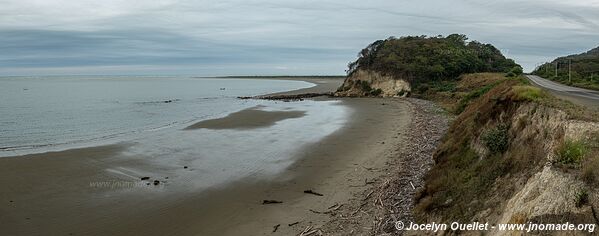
[584, 68]
[421, 58]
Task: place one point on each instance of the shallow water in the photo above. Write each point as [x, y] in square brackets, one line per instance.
[217, 156]
[40, 114]
[150, 115]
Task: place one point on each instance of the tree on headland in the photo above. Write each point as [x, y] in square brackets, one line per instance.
[422, 58]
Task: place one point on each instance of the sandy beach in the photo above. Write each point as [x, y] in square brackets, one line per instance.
[66, 193]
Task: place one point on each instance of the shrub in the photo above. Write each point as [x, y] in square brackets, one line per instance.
[527, 93]
[421, 88]
[515, 71]
[364, 86]
[496, 139]
[571, 152]
[444, 86]
[376, 92]
[581, 198]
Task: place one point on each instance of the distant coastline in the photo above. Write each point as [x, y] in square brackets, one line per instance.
[275, 76]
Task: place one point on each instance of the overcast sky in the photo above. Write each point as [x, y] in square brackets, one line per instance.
[259, 37]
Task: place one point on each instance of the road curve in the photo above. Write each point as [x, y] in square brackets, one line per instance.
[581, 96]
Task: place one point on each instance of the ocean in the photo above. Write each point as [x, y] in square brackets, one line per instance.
[150, 114]
[40, 114]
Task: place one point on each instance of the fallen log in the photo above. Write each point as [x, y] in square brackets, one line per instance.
[275, 228]
[264, 202]
[329, 211]
[309, 191]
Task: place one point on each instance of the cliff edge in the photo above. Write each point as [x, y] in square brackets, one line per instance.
[371, 83]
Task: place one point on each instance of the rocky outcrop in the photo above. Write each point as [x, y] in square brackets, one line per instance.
[370, 83]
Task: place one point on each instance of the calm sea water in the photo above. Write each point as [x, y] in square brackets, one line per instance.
[51, 113]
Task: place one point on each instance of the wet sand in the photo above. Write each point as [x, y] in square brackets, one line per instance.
[339, 167]
[247, 119]
[52, 193]
[323, 85]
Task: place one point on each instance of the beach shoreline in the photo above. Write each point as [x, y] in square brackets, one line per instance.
[339, 167]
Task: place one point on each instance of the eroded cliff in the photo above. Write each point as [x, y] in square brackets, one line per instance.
[370, 83]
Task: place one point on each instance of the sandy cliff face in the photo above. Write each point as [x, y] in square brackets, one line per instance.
[524, 182]
[530, 124]
[369, 83]
[548, 196]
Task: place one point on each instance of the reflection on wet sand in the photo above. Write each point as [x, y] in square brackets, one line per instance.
[247, 119]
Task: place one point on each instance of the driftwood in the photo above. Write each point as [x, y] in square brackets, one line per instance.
[312, 192]
[264, 202]
[331, 209]
[366, 182]
[275, 228]
[309, 231]
[294, 223]
[390, 198]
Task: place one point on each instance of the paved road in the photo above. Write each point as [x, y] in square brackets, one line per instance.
[580, 96]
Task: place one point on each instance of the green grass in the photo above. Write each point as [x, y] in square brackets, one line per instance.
[581, 198]
[522, 80]
[528, 93]
[465, 101]
[435, 86]
[443, 86]
[463, 176]
[571, 152]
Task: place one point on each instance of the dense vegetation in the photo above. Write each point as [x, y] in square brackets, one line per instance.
[585, 70]
[420, 58]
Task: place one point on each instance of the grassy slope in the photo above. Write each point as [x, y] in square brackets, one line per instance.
[462, 183]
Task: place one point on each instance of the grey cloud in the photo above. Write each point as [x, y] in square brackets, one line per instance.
[273, 37]
[33, 48]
